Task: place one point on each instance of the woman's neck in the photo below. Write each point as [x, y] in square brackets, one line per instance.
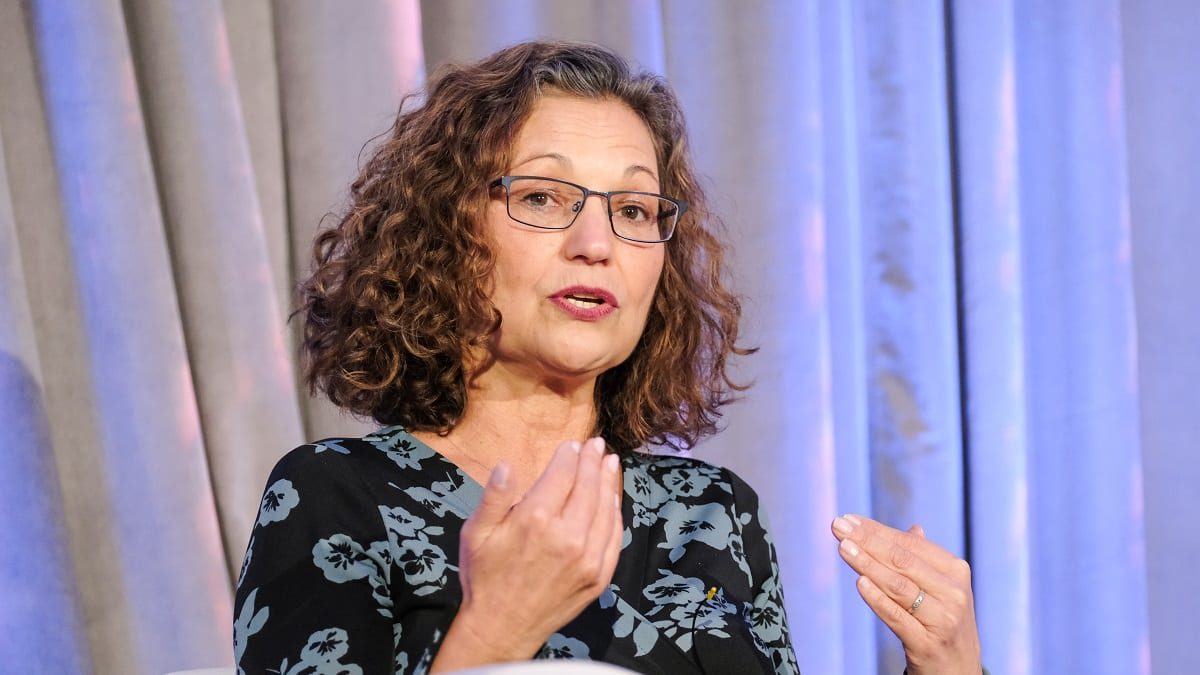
[517, 420]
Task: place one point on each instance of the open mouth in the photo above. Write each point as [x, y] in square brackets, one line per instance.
[584, 301]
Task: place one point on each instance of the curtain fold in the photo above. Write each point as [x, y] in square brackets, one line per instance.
[236, 345]
[464, 30]
[247, 29]
[909, 320]
[1160, 42]
[840, 43]
[155, 536]
[940, 214]
[338, 90]
[993, 325]
[37, 584]
[1081, 375]
[40, 543]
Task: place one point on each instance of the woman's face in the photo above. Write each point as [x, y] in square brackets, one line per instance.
[574, 301]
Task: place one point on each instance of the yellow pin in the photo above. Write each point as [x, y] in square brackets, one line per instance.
[711, 592]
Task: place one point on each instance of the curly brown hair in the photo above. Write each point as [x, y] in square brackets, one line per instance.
[399, 293]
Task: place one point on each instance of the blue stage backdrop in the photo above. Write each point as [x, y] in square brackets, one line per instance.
[966, 231]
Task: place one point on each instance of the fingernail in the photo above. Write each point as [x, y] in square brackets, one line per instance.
[617, 502]
[597, 445]
[499, 478]
[611, 463]
[843, 525]
[852, 518]
[849, 547]
[575, 446]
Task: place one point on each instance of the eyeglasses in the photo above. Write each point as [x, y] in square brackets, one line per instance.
[553, 204]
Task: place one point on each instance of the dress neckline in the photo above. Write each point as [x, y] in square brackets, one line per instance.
[460, 489]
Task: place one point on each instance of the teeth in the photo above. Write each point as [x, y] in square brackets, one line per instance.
[583, 303]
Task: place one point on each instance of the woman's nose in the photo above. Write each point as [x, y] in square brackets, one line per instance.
[591, 237]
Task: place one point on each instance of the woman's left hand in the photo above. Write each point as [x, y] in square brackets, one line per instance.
[919, 589]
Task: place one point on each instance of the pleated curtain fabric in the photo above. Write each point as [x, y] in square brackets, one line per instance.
[965, 233]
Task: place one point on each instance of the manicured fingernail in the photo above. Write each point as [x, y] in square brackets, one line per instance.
[575, 446]
[849, 547]
[842, 525]
[852, 518]
[597, 445]
[611, 463]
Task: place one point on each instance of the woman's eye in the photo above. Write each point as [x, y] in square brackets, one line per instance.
[634, 212]
[537, 199]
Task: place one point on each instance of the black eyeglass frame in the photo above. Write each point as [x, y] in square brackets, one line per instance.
[506, 183]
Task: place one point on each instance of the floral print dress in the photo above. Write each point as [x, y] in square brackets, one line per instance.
[351, 568]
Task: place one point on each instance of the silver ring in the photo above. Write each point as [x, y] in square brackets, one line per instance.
[917, 603]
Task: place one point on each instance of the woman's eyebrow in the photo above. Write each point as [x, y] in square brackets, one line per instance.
[561, 159]
[638, 168]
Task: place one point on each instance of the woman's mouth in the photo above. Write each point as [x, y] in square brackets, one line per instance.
[587, 304]
[583, 302]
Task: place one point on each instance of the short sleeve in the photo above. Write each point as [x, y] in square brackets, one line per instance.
[313, 594]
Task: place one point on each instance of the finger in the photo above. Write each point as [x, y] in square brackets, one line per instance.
[498, 498]
[900, 550]
[604, 544]
[619, 516]
[904, 625]
[589, 486]
[899, 554]
[917, 530]
[551, 488]
[900, 588]
[612, 556]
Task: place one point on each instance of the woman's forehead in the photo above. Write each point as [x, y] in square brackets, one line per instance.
[570, 132]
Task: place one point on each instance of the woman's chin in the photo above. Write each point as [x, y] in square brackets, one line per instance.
[569, 361]
[541, 370]
[576, 370]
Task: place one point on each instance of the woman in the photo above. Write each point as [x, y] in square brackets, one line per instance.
[524, 293]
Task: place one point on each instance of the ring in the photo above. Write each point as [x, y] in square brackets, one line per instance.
[917, 603]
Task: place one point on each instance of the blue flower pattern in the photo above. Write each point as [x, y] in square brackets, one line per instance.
[322, 655]
[559, 646]
[381, 516]
[342, 559]
[277, 502]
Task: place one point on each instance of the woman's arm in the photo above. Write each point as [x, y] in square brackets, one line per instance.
[313, 589]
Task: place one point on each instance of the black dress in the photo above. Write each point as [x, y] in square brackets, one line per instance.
[351, 567]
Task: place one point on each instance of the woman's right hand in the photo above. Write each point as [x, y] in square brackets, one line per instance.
[528, 564]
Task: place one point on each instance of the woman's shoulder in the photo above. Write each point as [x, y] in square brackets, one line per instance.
[388, 453]
[339, 479]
